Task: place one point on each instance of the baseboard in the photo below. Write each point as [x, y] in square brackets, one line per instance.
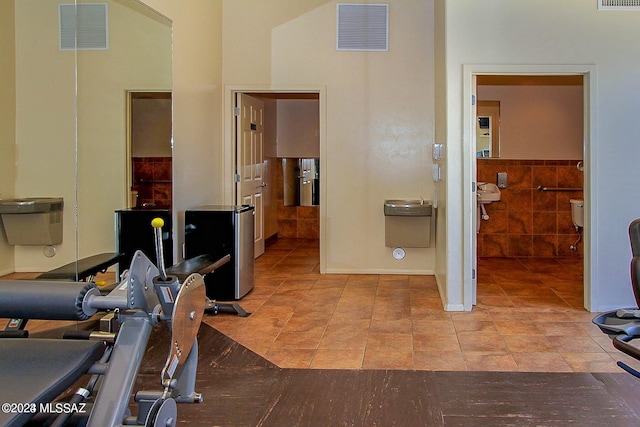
[380, 271]
[454, 307]
[271, 239]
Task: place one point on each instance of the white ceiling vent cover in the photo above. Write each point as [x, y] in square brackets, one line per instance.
[86, 23]
[362, 27]
[619, 4]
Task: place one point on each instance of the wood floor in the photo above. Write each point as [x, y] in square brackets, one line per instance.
[243, 389]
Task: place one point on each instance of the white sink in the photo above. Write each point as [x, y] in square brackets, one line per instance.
[487, 193]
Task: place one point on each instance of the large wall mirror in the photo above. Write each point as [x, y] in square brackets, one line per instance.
[66, 128]
[301, 182]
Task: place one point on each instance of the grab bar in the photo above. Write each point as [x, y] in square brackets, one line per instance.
[541, 188]
[153, 181]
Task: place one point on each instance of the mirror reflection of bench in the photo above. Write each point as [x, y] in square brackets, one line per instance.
[84, 270]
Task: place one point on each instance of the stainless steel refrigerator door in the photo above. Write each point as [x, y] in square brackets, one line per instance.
[244, 235]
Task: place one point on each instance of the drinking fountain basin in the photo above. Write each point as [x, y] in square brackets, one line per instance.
[407, 223]
[487, 193]
[407, 207]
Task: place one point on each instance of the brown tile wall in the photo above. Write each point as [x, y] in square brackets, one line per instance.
[299, 222]
[156, 172]
[527, 222]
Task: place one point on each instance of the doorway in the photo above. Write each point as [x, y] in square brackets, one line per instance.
[291, 130]
[149, 149]
[472, 74]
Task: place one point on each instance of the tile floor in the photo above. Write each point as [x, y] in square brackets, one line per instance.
[529, 317]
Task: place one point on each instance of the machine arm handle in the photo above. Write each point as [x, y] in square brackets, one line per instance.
[157, 224]
[621, 342]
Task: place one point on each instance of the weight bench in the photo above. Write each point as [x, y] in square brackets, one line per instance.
[84, 270]
[203, 265]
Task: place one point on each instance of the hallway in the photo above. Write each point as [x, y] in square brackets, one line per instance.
[529, 318]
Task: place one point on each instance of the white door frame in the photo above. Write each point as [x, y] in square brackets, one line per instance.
[229, 148]
[470, 71]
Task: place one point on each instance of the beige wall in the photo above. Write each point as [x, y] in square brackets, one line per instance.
[440, 131]
[377, 130]
[572, 35]
[379, 115]
[298, 128]
[197, 105]
[45, 124]
[139, 58]
[151, 127]
[7, 122]
[538, 122]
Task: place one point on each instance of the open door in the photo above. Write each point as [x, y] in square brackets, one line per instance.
[474, 216]
[250, 161]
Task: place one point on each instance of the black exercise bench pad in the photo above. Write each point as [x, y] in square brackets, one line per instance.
[38, 370]
[202, 264]
[85, 267]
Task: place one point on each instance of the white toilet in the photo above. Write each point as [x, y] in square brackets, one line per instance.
[577, 212]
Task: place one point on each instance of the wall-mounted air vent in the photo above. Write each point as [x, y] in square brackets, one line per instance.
[84, 26]
[363, 27]
[619, 4]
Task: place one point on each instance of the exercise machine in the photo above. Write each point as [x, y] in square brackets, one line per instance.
[36, 373]
[83, 270]
[623, 325]
[204, 265]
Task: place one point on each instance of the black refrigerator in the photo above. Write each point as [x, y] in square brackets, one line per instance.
[134, 231]
[218, 231]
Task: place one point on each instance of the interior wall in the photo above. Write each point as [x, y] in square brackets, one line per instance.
[46, 120]
[440, 189]
[298, 128]
[45, 125]
[527, 222]
[151, 127]
[198, 177]
[570, 32]
[7, 121]
[538, 122]
[379, 110]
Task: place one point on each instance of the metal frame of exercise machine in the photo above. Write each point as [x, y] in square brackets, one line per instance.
[145, 297]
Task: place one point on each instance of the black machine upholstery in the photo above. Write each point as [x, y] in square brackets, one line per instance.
[38, 370]
[202, 264]
[83, 268]
[634, 238]
[46, 299]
